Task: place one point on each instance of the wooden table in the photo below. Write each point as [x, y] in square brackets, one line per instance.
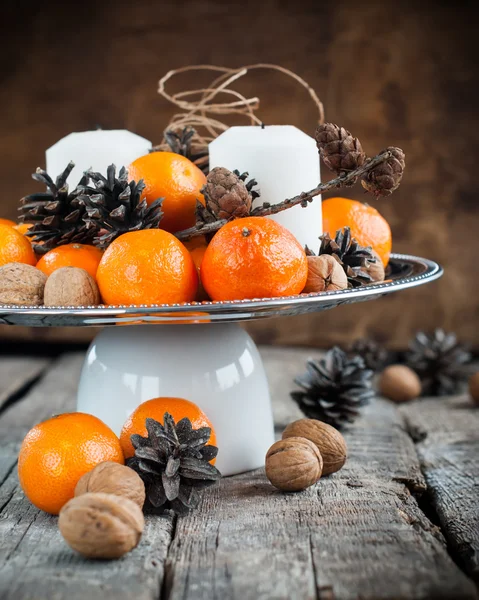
[401, 520]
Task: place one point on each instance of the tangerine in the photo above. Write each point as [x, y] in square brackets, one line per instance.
[23, 227]
[367, 225]
[83, 256]
[176, 179]
[149, 266]
[15, 247]
[197, 248]
[156, 409]
[56, 453]
[7, 222]
[254, 257]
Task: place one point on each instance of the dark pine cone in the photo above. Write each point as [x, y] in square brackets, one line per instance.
[334, 388]
[440, 361]
[374, 355]
[173, 462]
[384, 179]
[56, 215]
[182, 143]
[227, 196]
[354, 258]
[339, 150]
[114, 206]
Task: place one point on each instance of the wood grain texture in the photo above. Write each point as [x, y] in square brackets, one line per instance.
[357, 534]
[16, 373]
[400, 73]
[447, 433]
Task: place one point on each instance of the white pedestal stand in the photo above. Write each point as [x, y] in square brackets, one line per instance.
[215, 365]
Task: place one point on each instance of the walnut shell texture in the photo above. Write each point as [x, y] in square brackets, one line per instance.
[294, 464]
[101, 525]
[329, 441]
[325, 274]
[376, 269]
[21, 284]
[71, 286]
[112, 478]
[399, 383]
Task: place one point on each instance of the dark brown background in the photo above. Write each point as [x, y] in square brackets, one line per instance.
[391, 72]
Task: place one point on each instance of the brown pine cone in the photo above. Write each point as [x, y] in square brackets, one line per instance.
[339, 150]
[226, 195]
[386, 177]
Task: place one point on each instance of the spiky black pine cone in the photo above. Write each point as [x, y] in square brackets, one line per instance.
[334, 388]
[358, 262]
[227, 195]
[173, 462]
[374, 355]
[384, 179]
[114, 206]
[182, 143]
[339, 150]
[440, 361]
[57, 214]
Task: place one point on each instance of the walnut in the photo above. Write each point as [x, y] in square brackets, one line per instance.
[399, 383]
[474, 387]
[113, 478]
[330, 443]
[101, 525]
[293, 464]
[325, 274]
[376, 269]
[71, 286]
[21, 284]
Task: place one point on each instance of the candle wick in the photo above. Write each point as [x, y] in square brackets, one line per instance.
[262, 125]
[98, 127]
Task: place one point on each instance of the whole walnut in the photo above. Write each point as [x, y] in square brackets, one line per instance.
[113, 478]
[329, 441]
[71, 286]
[293, 464]
[325, 274]
[21, 284]
[399, 383]
[474, 387]
[101, 525]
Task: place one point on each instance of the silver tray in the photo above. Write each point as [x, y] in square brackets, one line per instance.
[403, 272]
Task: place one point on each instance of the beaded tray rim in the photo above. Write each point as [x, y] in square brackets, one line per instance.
[419, 271]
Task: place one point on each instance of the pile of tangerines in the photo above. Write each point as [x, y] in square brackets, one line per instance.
[56, 453]
[251, 257]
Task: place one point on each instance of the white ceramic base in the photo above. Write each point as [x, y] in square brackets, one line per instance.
[215, 365]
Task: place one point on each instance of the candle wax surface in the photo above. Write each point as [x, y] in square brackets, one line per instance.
[285, 162]
[96, 149]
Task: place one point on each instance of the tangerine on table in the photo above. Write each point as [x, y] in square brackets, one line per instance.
[254, 257]
[15, 247]
[156, 409]
[83, 256]
[176, 179]
[367, 225]
[149, 266]
[56, 453]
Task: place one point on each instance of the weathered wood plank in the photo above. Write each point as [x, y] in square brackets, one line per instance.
[35, 562]
[447, 433]
[357, 534]
[16, 373]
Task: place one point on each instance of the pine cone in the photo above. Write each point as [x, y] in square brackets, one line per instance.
[356, 260]
[384, 179]
[374, 355]
[226, 194]
[440, 361]
[173, 462]
[334, 388]
[183, 143]
[339, 150]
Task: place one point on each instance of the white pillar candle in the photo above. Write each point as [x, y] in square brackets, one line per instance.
[96, 149]
[285, 162]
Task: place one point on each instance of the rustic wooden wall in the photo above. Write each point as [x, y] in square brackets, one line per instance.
[392, 72]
